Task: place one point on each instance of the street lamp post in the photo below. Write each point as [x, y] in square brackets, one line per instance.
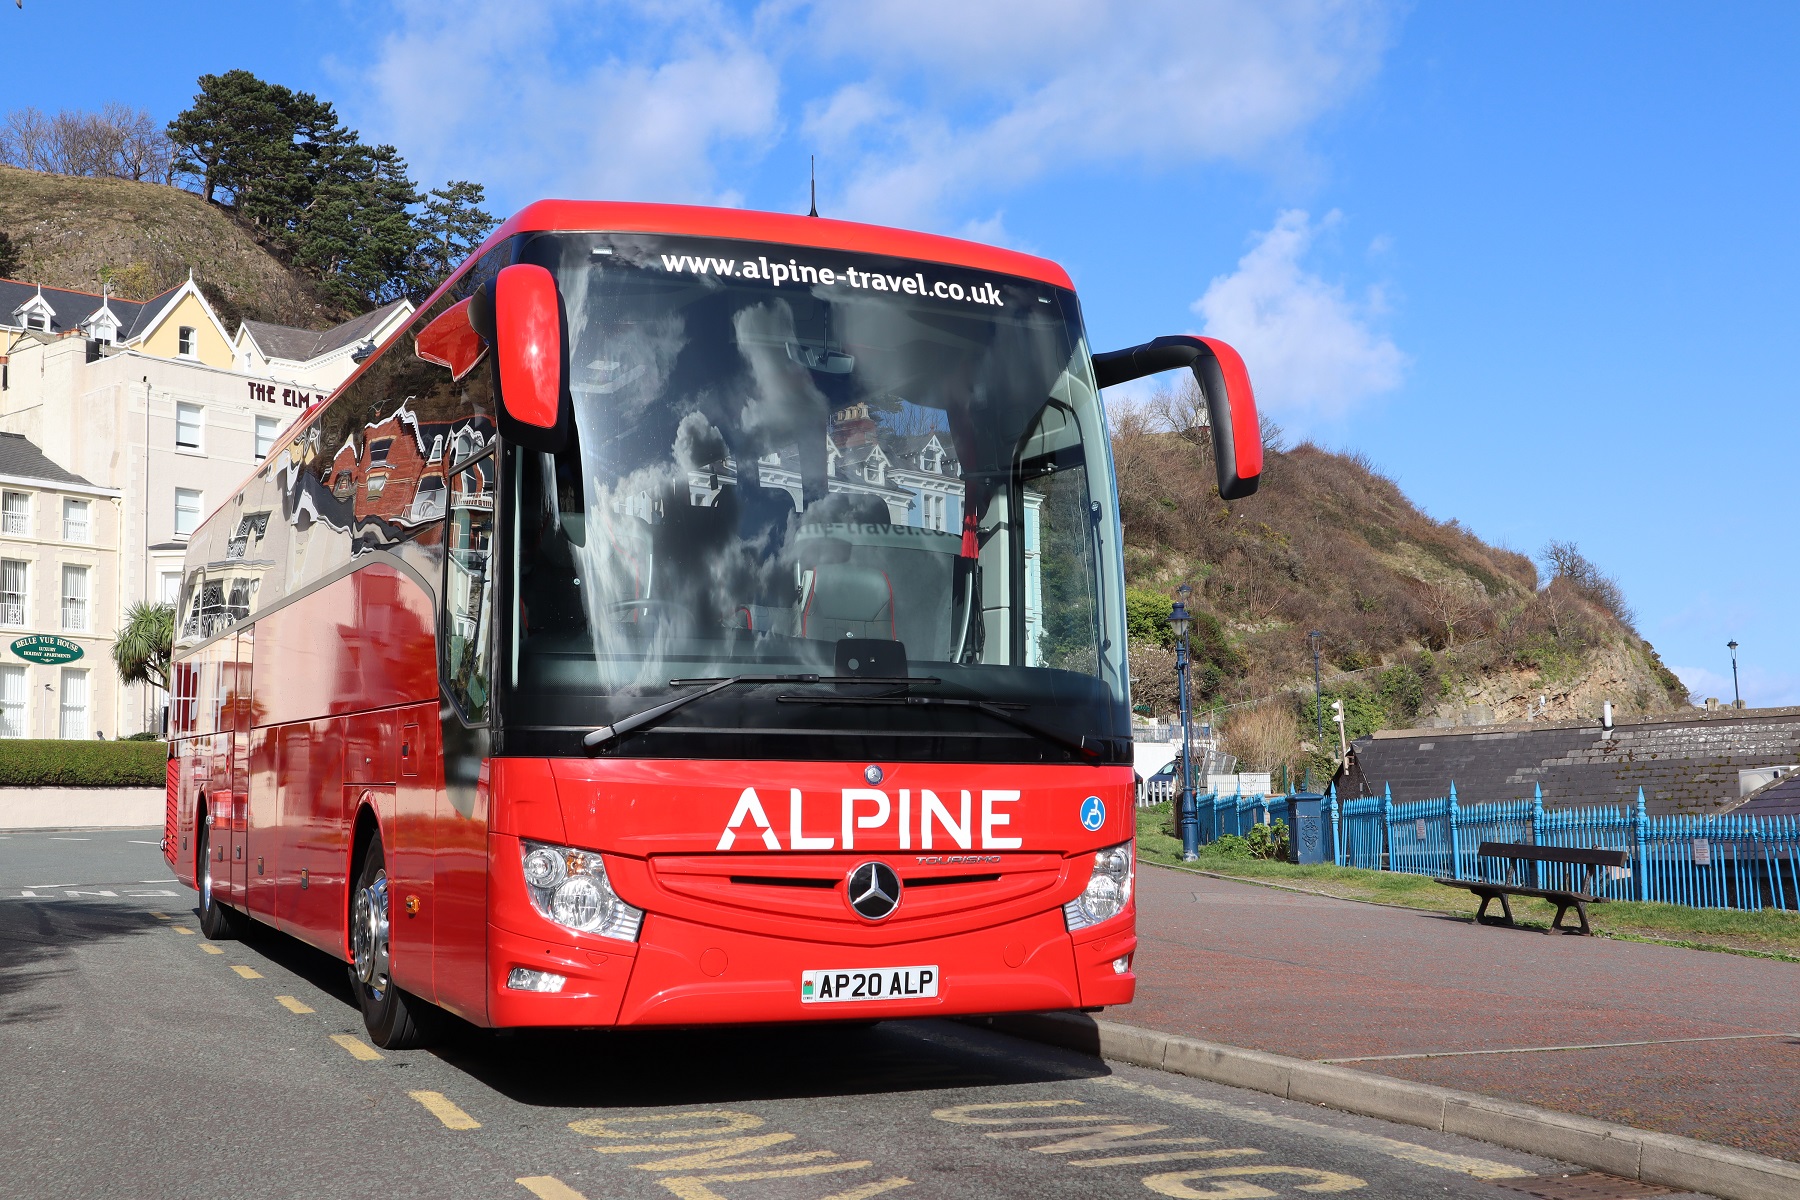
[1737, 699]
[1186, 817]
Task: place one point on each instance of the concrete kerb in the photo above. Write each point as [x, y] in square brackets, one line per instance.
[1680, 1162]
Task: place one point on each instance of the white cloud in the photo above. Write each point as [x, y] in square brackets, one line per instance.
[989, 96]
[549, 97]
[1313, 352]
[927, 112]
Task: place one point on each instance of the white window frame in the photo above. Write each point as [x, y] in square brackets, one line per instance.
[7, 515]
[266, 444]
[198, 412]
[72, 719]
[164, 593]
[16, 613]
[187, 341]
[77, 614]
[77, 531]
[13, 708]
[198, 510]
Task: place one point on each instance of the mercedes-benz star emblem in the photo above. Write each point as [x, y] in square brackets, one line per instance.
[874, 891]
[872, 773]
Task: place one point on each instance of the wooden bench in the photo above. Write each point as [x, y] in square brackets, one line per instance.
[1564, 899]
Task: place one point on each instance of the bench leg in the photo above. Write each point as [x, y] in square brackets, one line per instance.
[1488, 898]
[1586, 929]
[1556, 925]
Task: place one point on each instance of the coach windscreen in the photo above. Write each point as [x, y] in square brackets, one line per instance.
[891, 475]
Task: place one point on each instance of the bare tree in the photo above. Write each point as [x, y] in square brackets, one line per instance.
[118, 141]
[1567, 562]
[1455, 604]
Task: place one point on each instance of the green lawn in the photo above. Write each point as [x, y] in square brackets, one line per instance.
[1769, 932]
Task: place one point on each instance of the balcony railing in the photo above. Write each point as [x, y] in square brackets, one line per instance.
[15, 522]
[75, 531]
[12, 612]
[75, 616]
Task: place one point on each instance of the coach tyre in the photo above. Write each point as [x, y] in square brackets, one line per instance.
[394, 1019]
[217, 921]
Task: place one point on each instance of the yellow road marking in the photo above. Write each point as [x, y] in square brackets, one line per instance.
[693, 1187]
[439, 1106]
[549, 1187]
[292, 1005]
[866, 1190]
[359, 1049]
[160, 916]
[210, 948]
[1479, 1168]
[1174, 1183]
[181, 929]
[246, 972]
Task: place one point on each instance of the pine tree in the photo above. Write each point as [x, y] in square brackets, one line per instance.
[452, 226]
[211, 136]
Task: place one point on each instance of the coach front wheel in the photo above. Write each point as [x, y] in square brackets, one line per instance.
[392, 1017]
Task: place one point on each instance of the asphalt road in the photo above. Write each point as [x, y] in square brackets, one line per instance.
[137, 1059]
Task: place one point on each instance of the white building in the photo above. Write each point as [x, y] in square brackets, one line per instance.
[161, 418]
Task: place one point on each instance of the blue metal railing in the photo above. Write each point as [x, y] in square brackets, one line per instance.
[1729, 861]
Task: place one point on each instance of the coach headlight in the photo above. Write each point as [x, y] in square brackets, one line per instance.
[570, 887]
[1108, 889]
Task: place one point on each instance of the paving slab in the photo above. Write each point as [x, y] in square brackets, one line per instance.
[1715, 1038]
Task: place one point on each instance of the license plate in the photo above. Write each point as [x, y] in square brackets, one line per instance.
[868, 983]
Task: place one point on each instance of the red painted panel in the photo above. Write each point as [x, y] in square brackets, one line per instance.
[267, 836]
[666, 806]
[530, 339]
[311, 892]
[371, 747]
[525, 801]
[361, 643]
[460, 932]
[1246, 430]
[407, 836]
[450, 341]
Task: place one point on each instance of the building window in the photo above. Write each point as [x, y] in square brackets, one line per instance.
[74, 597]
[15, 513]
[12, 702]
[190, 419]
[186, 341]
[75, 521]
[12, 592]
[168, 587]
[74, 702]
[378, 451]
[187, 511]
[266, 430]
[38, 320]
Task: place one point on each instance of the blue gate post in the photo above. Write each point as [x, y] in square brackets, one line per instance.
[1455, 846]
[1337, 835]
[1640, 869]
[1537, 832]
[1387, 827]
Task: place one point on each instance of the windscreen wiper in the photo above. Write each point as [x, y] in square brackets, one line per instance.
[618, 729]
[1085, 747]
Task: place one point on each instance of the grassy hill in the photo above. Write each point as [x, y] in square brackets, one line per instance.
[74, 231]
[1421, 619]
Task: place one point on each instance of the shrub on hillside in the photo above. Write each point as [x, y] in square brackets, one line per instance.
[52, 763]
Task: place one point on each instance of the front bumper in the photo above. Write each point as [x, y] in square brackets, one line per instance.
[683, 971]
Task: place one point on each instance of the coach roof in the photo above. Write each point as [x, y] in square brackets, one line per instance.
[745, 225]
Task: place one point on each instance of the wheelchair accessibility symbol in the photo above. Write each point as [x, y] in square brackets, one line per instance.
[1093, 814]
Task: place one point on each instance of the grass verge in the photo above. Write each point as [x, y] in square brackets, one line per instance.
[1769, 933]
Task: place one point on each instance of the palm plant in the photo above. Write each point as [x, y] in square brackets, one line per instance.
[142, 650]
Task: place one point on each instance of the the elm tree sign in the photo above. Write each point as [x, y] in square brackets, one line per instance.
[46, 648]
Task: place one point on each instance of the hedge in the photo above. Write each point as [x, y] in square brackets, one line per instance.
[43, 762]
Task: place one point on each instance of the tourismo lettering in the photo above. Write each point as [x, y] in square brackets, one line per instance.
[875, 811]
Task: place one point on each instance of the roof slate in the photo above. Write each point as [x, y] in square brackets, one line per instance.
[23, 460]
[299, 345]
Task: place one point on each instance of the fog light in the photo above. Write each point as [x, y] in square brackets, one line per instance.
[521, 980]
[1121, 964]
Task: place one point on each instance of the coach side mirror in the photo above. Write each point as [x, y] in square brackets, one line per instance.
[1224, 382]
[530, 339]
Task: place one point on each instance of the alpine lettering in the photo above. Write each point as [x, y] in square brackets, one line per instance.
[953, 818]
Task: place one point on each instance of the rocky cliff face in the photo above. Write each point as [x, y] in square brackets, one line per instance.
[142, 238]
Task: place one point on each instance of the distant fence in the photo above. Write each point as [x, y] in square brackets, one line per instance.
[1727, 861]
[1743, 862]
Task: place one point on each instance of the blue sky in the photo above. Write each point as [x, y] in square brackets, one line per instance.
[1538, 261]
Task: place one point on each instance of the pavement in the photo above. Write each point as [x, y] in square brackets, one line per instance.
[141, 1059]
[1688, 1042]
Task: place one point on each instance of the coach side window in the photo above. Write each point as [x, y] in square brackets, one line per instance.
[468, 586]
